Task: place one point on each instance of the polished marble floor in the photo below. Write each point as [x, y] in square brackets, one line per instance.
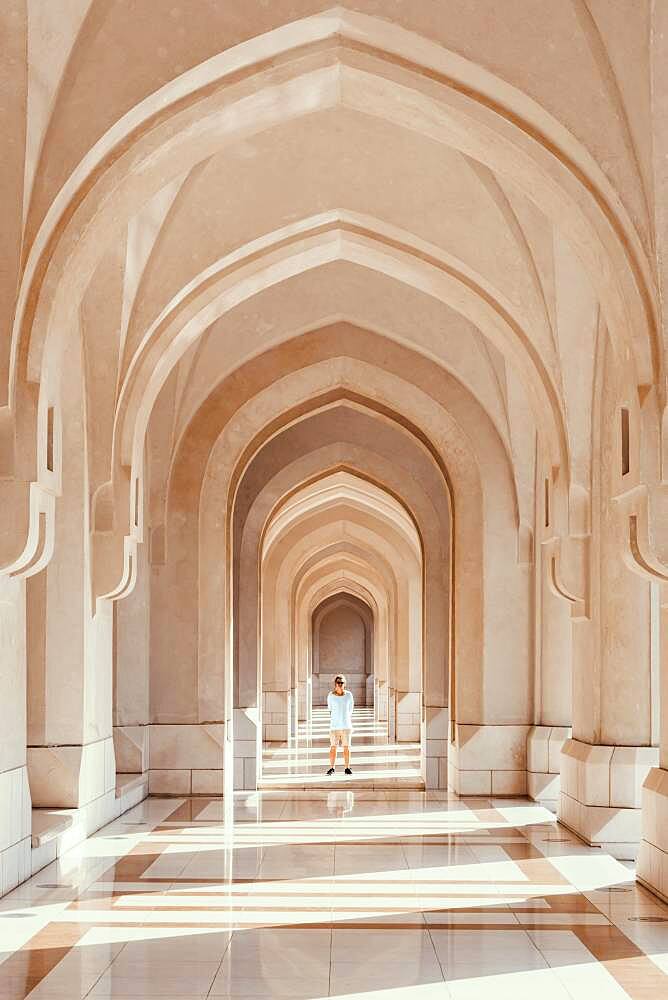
[376, 762]
[365, 894]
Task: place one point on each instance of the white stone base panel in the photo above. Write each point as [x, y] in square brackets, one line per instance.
[15, 828]
[275, 716]
[247, 748]
[409, 716]
[544, 746]
[488, 760]
[391, 714]
[652, 865]
[436, 746]
[303, 695]
[380, 700]
[601, 794]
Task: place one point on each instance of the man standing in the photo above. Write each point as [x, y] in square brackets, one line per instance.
[340, 704]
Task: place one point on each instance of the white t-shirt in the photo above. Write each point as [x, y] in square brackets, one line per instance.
[341, 710]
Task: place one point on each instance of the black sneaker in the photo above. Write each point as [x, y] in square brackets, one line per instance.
[331, 771]
[348, 771]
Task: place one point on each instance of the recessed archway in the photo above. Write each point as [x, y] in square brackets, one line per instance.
[342, 640]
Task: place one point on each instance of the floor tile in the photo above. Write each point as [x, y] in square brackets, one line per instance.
[354, 895]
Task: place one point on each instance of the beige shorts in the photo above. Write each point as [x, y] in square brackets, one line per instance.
[339, 737]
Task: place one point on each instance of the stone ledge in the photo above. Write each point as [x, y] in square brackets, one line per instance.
[48, 824]
[126, 783]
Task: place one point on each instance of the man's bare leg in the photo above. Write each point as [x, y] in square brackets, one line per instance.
[346, 756]
[332, 756]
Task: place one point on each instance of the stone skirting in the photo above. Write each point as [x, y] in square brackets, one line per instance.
[601, 794]
[488, 760]
[652, 865]
[544, 746]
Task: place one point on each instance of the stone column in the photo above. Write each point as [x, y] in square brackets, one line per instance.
[70, 746]
[606, 762]
[652, 866]
[608, 758]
